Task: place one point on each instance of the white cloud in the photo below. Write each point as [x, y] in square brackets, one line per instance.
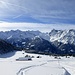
[34, 26]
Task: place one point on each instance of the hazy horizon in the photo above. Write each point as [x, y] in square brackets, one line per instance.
[34, 26]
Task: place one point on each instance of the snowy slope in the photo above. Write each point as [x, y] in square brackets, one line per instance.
[69, 64]
[45, 65]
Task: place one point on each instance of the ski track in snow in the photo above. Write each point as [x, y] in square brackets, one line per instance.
[69, 68]
[28, 68]
[23, 71]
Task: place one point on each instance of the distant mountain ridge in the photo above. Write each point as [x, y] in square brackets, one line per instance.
[56, 41]
[18, 34]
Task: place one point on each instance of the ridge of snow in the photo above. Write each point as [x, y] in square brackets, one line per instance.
[9, 37]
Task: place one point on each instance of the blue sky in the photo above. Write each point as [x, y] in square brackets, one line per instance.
[38, 11]
[58, 12]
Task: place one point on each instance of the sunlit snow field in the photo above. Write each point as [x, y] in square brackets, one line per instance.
[46, 65]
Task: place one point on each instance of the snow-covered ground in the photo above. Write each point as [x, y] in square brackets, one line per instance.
[46, 65]
[68, 64]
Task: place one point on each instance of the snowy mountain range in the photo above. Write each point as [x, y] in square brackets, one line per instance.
[56, 41]
[64, 36]
[17, 34]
